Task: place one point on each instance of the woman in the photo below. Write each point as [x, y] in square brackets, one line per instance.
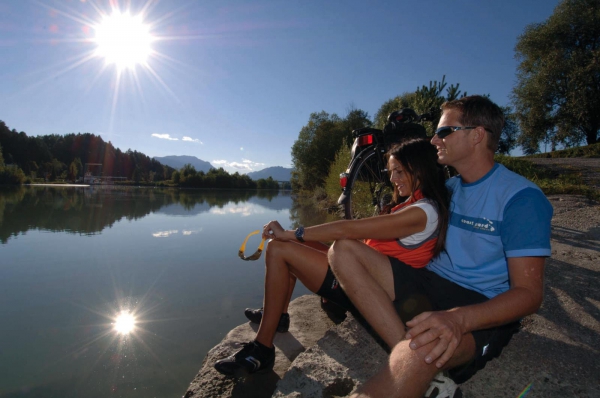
[413, 233]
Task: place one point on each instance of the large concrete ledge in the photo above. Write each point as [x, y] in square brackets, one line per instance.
[557, 351]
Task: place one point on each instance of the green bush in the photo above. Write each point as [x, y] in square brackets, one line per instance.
[11, 175]
[523, 167]
[587, 151]
[332, 182]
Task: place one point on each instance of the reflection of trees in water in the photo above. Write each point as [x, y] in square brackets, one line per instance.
[90, 210]
[305, 212]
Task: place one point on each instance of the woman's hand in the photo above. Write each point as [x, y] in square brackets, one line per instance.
[273, 230]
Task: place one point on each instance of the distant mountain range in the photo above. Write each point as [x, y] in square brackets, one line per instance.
[177, 162]
[278, 173]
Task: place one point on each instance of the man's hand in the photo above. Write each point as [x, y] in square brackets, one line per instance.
[444, 326]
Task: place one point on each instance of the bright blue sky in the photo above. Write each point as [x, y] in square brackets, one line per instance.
[239, 79]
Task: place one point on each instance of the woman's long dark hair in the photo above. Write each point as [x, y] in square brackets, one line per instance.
[419, 159]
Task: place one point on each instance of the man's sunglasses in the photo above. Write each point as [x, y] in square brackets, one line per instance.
[445, 131]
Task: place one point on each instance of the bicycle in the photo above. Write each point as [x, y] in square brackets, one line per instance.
[366, 188]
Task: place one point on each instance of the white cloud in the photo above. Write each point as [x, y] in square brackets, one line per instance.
[190, 139]
[245, 166]
[165, 137]
[252, 164]
[240, 166]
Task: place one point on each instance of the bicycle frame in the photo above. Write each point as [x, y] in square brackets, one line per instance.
[369, 143]
[365, 184]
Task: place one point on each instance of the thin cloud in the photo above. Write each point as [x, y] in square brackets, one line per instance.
[224, 162]
[190, 139]
[165, 137]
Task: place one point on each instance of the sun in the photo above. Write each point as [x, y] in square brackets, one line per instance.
[123, 40]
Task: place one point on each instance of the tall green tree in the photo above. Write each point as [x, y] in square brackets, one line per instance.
[510, 132]
[423, 99]
[72, 175]
[317, 144]
[405, 100]
[557, 95]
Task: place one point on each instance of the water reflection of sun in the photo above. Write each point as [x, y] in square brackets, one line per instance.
[124, 323]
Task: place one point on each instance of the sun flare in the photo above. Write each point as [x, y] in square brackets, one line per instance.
[124, 323]
[123, 40]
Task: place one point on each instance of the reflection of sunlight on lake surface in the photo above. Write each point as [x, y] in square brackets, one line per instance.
[124, 323]
[81, 267]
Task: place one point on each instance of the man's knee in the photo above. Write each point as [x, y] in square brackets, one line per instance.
[404, 359]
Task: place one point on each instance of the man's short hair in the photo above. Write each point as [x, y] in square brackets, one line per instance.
[477, 110]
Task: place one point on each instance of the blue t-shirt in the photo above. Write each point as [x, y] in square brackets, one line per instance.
[501, 215]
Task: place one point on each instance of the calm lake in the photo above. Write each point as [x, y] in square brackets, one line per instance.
[72, 259]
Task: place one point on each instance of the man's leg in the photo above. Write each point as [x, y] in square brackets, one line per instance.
[366, 277]
[407, 374]
[284, 260]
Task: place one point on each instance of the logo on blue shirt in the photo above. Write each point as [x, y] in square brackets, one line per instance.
[478, 225]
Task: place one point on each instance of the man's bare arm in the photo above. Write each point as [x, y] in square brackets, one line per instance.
[523, 298]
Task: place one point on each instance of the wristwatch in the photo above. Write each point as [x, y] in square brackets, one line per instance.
[300, 233]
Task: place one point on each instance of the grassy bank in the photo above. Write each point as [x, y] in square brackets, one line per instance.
[551, 183]
[587, 151]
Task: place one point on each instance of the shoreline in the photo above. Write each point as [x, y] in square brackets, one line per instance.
[556, 352]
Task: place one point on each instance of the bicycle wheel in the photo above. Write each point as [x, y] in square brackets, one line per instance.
[369, 188]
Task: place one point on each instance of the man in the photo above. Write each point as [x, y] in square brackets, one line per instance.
[464, 307]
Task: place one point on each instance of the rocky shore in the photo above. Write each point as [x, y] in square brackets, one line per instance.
[557, 351]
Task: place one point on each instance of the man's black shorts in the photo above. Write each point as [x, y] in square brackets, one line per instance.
[418, 290]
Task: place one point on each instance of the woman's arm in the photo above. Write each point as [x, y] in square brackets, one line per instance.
[406, 222]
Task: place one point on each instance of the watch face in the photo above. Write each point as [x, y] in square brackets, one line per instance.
[300, 234]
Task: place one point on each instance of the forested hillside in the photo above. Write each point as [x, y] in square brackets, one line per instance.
[65, 157]
[55, 156]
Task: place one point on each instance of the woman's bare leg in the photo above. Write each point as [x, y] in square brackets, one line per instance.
[284, 262]
[290, 292]
[366, 277]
